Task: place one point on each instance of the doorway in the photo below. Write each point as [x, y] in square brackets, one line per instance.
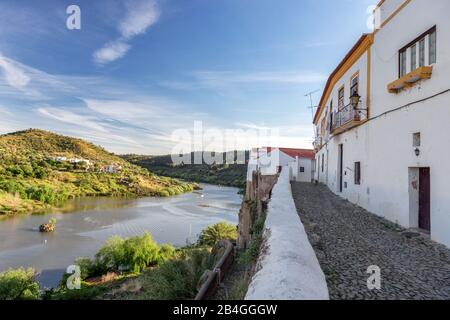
[341, 167]
[420, 198]
[424, 199]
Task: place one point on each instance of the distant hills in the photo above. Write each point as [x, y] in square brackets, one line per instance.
[233, 175]
[41, 169]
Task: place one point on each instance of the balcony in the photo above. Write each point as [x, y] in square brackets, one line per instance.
[347, 118]
[317, 143]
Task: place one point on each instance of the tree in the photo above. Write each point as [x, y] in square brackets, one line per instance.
[18, 284]
[219, 231]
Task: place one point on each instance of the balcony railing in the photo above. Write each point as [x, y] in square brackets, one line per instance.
[346, 118]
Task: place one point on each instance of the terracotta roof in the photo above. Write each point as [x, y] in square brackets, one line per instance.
[301, 153]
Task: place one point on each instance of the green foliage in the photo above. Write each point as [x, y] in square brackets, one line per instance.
[175, 273]
[219, 231]
[251, 254]
[239, 288]
[86, 292]
[18, 284]
[132, 255]
[178, 278]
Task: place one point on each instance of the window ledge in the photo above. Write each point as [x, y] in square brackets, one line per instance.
[408, 80]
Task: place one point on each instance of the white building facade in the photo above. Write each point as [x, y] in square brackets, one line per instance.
[270, 161]
[386, 151]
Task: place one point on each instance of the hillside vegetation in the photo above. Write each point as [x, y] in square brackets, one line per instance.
[233, 175]
[40, 169]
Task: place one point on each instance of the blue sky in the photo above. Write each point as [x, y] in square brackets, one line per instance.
[140, 69]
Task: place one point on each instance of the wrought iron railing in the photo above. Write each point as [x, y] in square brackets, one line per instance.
[346, 115]
[317, 143]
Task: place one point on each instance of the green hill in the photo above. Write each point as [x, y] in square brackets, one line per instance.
[40, 169]
[233, 175]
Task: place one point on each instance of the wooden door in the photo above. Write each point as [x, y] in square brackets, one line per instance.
[424, 199]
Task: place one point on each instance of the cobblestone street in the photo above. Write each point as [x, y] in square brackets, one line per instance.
[348, 239]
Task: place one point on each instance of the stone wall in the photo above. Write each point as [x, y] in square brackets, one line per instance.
[257, 196]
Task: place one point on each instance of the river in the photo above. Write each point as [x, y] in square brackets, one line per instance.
[83, 225]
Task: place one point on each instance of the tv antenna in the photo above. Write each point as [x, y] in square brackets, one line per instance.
[310, 94]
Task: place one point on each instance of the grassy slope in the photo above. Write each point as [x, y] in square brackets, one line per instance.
[233, 175]
[30, 182]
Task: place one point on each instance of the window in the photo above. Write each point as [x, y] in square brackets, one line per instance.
[417, 52]
[323, 161]
[432, 47]
[413, 49]
[323, 126]
[416, 139]
[331, 116]
[354, 82]
[341, 103]
[421, 53]
[357, 173]
[302, 169]
[402, 63]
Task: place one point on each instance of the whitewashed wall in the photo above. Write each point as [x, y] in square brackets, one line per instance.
[288, 267]
[294, 170]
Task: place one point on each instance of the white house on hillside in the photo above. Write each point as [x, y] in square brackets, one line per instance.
[270, 161]
[382, 126]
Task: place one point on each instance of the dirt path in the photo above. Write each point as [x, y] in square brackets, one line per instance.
[348, 239]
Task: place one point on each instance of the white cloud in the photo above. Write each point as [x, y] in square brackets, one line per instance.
[227, 79]
[300, 77]
[66, 116]
[139, 16]
[318, 44]
[111, 52]
[15, 76]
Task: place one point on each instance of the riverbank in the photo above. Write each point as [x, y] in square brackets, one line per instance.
[23, 199]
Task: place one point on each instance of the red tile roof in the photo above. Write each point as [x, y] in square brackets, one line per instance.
[301, 153]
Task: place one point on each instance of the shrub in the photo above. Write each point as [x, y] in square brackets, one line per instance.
[251, 254]
[112, 254]
[133, 254]
[84, 293]
[18, 284]
[178, 278]
[219, 231]
[141, 252]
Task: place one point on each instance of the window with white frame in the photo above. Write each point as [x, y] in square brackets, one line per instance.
[341, 93]
[354, 85]
[420, 52]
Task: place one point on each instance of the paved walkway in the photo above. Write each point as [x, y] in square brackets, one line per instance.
[348, 239]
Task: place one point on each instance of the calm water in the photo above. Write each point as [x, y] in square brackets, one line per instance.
[87, 223]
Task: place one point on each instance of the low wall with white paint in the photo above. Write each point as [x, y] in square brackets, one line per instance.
[288, 268]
